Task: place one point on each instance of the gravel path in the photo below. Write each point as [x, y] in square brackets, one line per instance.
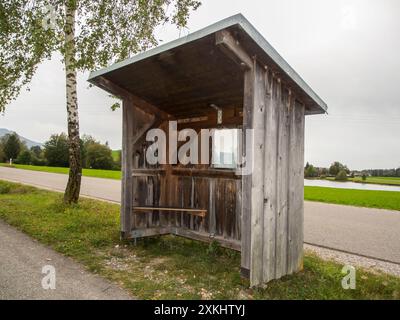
[372, 265]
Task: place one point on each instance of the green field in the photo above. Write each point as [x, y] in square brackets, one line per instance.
[360, 198]
[167, 267]
[107, 174]
[393, 181]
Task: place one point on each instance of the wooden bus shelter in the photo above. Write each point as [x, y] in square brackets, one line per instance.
[224, 76]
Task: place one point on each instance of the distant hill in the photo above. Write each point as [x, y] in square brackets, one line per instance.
[29, 143]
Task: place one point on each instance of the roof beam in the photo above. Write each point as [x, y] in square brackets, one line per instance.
[232, 48]
[137, 101]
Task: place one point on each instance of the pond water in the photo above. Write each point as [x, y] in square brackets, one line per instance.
[349, 185]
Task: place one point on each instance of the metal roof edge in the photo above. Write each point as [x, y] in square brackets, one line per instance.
[270, 51]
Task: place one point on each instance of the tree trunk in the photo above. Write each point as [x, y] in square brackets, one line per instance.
[72, 190]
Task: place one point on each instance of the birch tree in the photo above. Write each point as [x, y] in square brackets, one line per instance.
[89, 34]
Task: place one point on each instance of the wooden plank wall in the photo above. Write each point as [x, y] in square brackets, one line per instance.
[217, 195]
[135, 124]
[274, 191]
[176, 186]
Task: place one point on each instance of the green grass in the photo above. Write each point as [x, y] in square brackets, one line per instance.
[107, 174]
[167, 267]
[360, 198]
[392, 181]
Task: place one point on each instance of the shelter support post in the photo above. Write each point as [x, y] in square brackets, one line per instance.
[272, 194]
[126, 167]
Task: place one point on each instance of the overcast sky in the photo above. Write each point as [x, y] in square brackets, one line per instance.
[347, 51]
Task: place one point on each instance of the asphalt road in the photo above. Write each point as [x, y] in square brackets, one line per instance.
[369, 232]
[21, 264]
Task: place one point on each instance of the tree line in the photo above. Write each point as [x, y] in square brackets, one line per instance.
[342, 172]
[337, 170]
[55, 152]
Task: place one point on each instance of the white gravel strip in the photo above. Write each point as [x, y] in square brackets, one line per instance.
[369, 264]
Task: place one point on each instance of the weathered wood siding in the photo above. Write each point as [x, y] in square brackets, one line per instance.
[217, 195]
[273, 194]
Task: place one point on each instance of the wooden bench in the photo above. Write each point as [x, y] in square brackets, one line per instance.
[195, 212]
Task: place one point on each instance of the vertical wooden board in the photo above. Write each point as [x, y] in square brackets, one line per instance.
[202, 200]
[196, 199]
[174, 199]
[296, 188]
[126, 167]
[270, 179]
[211, 208]
[142, 200]
[282, 189]
[219, 207]
[187, 200]
[238, 215]
[226, 211]
[192, 201]
[222, 212]
[230, 195]
[257, 186]
[156, 202]
[150, 201]
[246, 179]
[163, 222]
[180, 200]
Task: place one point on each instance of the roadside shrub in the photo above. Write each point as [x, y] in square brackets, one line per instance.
[56, 150]
[99, 156]
[364, 177]
[38, 161]
[341, 176]
[310, 171]
[25, 157]
[336, 167]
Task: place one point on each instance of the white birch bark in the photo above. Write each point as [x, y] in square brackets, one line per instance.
[72, 190]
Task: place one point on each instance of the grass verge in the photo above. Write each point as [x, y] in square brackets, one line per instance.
[360, 198]
[107, 174]
[391, 181]
[167, 267]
